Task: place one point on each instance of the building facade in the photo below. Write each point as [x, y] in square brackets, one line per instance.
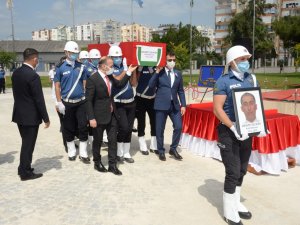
[135, 32]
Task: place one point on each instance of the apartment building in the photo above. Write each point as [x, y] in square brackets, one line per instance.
[135, 32]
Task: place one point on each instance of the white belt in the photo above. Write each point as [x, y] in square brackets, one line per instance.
[145, 96]
[74, 100]
[124, 100]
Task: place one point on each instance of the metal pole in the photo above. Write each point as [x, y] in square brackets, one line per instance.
[73, 18]
[131, 20]
[191, 40]
[253, 35]
[12, 28]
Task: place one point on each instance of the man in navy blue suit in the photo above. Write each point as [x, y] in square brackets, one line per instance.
[169, 84]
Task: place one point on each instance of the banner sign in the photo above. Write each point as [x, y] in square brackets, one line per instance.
[148, 56]
[209, 75]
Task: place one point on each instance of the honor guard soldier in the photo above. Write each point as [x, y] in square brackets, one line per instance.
[145, 104]
[70, 80]
[125, 104]
[235, 149]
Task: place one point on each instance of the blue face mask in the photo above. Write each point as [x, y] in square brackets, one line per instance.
[95, 62]
[73, 56]
[84, 61]
[117, 61]
[243, 66]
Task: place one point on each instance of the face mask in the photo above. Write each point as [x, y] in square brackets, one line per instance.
[84, 61]
[117, 61]
[110, 71]
[243, 66]
[95, 62]
[73, 56]
[171, 64]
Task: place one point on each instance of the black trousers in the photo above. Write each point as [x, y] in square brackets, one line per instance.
[143, 106]
[126, 112]
[111, 130]
[235, 157]
[75, 121]
[2, 85]
[28, 135]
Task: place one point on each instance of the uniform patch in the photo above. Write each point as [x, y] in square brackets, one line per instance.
[235, 86]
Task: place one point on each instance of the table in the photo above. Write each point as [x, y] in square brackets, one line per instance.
[269, 153]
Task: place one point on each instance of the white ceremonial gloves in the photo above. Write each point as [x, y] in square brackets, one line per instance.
[240, 138]
[61, 107]
[125, 64]
[263, 134]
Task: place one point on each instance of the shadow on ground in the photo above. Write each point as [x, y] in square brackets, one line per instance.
[7, 157]
[44, 164]
[212, 190]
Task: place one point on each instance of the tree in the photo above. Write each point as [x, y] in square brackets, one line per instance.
[182, 56]
[7, 59]
[241, 28]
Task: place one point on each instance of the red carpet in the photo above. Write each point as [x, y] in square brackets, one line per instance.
[284, 95]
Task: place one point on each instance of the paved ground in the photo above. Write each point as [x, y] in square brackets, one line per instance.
[150, 192]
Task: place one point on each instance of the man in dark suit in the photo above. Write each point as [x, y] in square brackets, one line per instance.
[169, 84]
[29, 110]
[102, 113]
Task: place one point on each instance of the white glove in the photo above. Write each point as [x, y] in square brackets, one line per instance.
[125, 64]
[240, 138]
[263, 134]
[61, 107]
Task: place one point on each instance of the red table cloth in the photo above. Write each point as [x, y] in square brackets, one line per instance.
[199, 121]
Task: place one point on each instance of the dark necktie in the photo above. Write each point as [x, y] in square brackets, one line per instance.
[169, 76]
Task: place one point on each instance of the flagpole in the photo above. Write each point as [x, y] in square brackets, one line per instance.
[9, 4]
[73, 18]
[131, 20]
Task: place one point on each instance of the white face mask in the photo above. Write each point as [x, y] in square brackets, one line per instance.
[171, 64]
[110, 71]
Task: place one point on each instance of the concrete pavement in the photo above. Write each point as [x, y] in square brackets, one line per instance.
[150, 192]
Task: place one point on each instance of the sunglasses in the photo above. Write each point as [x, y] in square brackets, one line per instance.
[170, 60]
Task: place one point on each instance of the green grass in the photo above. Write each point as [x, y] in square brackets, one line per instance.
[44, 79]
[267, 81]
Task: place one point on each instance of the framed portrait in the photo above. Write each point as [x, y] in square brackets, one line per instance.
[249, 111]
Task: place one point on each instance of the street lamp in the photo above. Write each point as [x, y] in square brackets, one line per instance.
[191, 40]
[9, 5]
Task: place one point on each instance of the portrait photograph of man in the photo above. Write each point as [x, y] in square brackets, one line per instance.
[250, 111]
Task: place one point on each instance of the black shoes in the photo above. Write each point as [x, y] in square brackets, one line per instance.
[145, 152]
[134, 130]
[245, 215]
[85, 160]
[120, 158]
[154, 151]
[31, 176]
[129, 160]
[100, 167]
[175, 154]
[162, 156]
[114, 170]
[232, 223]
[73, 158]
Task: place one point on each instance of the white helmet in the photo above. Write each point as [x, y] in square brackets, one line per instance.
[94, 54]
[115, 50]
[236, 52]
[83, 55]
[71, 46]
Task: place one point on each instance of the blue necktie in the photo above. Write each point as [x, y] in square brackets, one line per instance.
[169, 76]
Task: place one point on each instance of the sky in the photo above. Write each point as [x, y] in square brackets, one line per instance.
[31, 15]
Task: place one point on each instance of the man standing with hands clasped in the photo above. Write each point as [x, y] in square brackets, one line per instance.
[29, 110]
[169, 84]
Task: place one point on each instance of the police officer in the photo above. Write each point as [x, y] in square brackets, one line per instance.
[235, 149]
[125, 104]
[70, 80]
[145, 103]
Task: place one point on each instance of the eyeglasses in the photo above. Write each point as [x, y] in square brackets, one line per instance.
[170, 60]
